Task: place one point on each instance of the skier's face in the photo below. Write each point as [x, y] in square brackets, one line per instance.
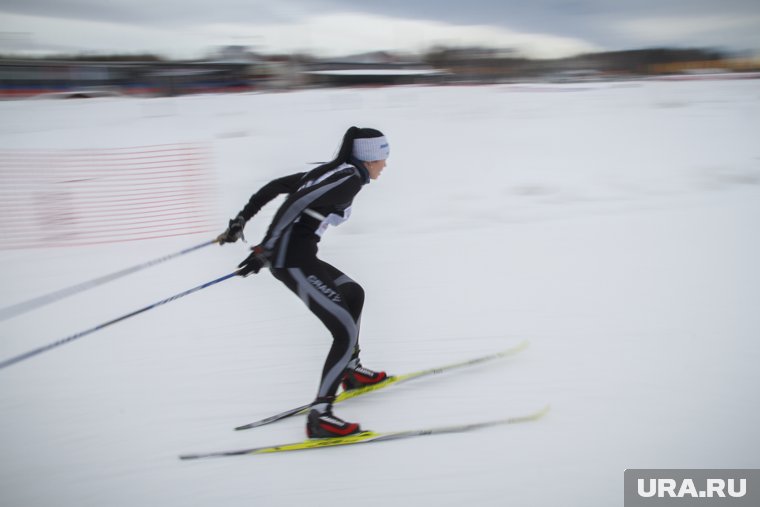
[375, 168]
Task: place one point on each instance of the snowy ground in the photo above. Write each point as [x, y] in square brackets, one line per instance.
[615, 226]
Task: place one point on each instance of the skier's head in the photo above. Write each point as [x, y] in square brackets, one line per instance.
[370, 145]
[367, 145]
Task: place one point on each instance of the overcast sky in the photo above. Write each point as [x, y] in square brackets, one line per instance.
[537, 28]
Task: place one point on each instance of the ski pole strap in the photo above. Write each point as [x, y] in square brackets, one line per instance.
[46, 299]
[76, 336]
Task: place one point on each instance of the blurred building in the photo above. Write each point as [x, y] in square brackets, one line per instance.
[488, 65]
[76, 79]
[238, 69]
[372, 69]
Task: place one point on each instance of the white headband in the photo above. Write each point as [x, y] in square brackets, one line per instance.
[369, 149]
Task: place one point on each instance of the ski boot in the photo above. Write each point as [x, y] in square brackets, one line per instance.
[322, 423]
[357, 376]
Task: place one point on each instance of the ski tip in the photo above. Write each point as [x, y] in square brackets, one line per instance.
[538, 414]
[283, 415]
[188, 457]
[522, 345]
[514, 349]
[257, 424]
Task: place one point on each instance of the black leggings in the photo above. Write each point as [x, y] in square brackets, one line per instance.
[337, 301]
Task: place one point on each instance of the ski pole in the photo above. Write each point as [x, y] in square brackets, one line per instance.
[68, 339]
[31, 304]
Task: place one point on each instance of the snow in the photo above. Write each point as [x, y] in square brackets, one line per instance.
[614, 225]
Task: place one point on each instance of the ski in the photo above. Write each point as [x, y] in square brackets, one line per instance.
[393, 380]
[366, 437]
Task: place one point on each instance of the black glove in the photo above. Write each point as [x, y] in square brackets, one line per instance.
[258, 259]
[234, 231]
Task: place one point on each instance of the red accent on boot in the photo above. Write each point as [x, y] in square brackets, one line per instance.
[327, 430]
[364, 379]
[353, 379]
[340, 432]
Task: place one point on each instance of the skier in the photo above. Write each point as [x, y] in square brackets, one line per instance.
[316, 199]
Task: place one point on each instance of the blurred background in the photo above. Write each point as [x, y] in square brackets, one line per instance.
[86, 48]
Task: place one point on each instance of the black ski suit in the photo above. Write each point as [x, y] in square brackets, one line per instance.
[317, 198]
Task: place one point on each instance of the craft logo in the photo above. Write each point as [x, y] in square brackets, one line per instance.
[324, 288]
[662, 488]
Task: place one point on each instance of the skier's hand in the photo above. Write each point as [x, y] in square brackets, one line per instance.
[258, 259]
[234, 231]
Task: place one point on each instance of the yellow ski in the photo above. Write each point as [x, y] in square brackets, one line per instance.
[397, 379]
[370, 436]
